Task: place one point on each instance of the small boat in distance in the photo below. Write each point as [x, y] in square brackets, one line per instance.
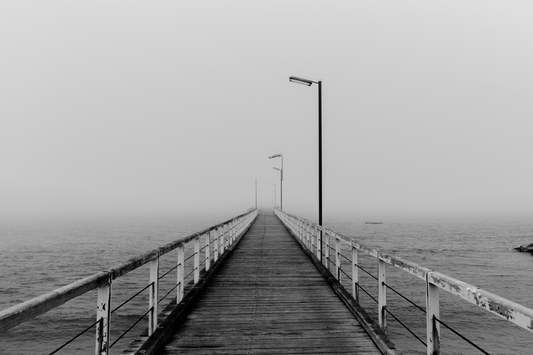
[373, 222]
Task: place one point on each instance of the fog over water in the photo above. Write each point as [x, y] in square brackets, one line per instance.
[135, 108]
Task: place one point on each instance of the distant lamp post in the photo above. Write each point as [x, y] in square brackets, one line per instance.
[274, 194]
[308, 82]
[280, 178]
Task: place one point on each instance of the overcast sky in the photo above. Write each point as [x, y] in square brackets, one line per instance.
[173, 107]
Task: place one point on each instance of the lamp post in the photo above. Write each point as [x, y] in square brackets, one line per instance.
[308, 82]
[279, 155]
[274, 194]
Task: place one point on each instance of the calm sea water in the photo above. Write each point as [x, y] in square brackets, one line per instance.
[37, 256]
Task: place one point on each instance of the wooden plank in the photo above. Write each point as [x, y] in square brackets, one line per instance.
[269, 299]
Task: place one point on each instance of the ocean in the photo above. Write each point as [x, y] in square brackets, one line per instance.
[39, 255]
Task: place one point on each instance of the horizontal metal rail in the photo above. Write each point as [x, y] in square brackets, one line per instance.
[434, 281]
[219, 237]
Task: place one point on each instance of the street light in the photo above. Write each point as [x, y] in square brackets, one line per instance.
[308, 82]
[279, 155]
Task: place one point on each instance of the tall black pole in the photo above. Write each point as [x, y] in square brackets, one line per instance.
[320, 162]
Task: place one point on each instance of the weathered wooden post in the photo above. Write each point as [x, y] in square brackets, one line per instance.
[432, 313]
[338, 258]
[180, 273]
[103, 316]
[318, 244]
[207, 250]
[221, 243]
[234, 230]
[153, 295]
[326, 259]
[215, 246]
[355, 273]
[196, 259]
[382, 293]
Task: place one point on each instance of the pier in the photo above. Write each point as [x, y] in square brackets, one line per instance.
[261, 283]
[269, 298]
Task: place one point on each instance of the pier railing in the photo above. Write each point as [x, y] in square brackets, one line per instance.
[326, 246]
[205, 248]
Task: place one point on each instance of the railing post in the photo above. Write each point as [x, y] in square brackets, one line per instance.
[180, 273]
[338, 258]
[154, 291]
[221, 243]
[103, 316]
[432, 313]
[382, 293]
[355, 274]
[207, 250]
[215, 246]
[309, 237]
[235, 225]
[318, 244]
[326, 262]
[196, 259]
[306, 235]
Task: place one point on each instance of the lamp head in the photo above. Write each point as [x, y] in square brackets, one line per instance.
[297, 80]
[275, 156]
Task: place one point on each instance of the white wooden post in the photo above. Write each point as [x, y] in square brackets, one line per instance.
[355, 274]
[326, 259]
[432, 313]
[234, 225]
[180, 273]
[196, 259]
[338, 258]
[306, 243]
[382, 293]
[222, 242]
[318, 244]
[309, 237]
[103, 315]
[215, 246]
[153, 297]
[207, 250]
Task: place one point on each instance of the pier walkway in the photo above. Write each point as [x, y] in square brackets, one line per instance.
[269, 298]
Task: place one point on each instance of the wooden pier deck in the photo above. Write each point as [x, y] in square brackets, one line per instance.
[268, 298]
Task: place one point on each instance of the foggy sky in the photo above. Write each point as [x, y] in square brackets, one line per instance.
[172, 107]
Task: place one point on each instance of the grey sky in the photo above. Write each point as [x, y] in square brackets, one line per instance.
[120, 107]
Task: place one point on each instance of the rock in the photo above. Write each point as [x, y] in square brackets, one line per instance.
[525, 248]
